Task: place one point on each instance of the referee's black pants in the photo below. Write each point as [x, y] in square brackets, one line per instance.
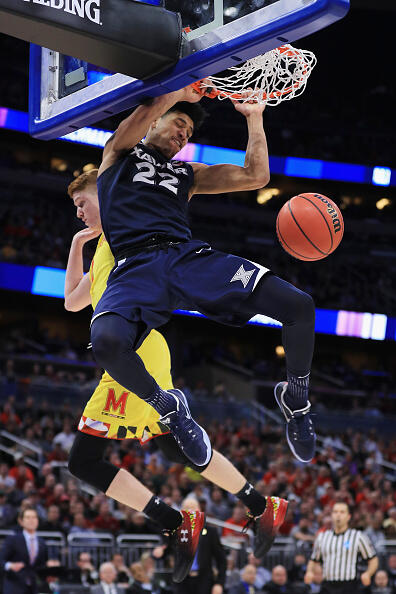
[347, 587]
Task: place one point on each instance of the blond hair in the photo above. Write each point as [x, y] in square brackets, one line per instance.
[83, 181]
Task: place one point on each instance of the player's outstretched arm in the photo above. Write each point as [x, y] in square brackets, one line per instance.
[77, 285]
[135, 127]
[255, 174]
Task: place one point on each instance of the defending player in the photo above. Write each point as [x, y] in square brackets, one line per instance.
[115, 413]
[143, 198]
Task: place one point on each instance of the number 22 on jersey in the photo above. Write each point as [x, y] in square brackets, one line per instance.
[147, 174]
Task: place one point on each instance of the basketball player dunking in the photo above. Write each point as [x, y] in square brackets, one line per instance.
[115, 413]
[143, 198]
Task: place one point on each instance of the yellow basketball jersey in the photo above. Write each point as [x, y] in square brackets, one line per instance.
[101, 266]
[113, 411]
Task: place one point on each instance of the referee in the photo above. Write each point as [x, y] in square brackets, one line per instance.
[338, 550]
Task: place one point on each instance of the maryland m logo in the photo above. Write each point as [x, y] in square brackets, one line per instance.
[113, 404]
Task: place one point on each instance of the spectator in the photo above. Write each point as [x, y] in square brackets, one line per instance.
[7, 512]
[381, 584]
[107, 585]
[217, 506]
[80, 525]
[22, 554]
[248, 578]
[279, 583]
[104, 520]
[136, 523]
[148, 564]
[123, 573]
[46, 491]
[297, 572]
[390, 524]
[20, 472]
[7, 482]
[374, 530]
[9, 415]
[51, 581]
[52, 523]
[263, 576]
[31, 495]
[238, 518]
[233, 577]
[141, 581]
[176, 498]
[66, 437]
[303, 534]
[392, 570]
[57, 453]
[88, 573]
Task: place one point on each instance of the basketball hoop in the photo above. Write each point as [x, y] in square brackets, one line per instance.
[275, 76]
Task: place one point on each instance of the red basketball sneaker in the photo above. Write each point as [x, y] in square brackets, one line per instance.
[266, 526]
[185, 541]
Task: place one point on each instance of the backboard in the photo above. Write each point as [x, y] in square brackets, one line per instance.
[67, 94]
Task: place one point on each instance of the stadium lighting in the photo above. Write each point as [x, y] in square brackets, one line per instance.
[265, 194]
[382, 202]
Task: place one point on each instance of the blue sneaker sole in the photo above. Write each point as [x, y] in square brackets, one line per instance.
[291, 446]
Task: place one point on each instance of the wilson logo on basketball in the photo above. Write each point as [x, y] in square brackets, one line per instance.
[89, 9]
[332, 212]
[113, 404]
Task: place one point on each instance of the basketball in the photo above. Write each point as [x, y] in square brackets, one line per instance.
[309, 226]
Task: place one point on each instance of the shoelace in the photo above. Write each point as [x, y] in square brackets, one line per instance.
[190, 423]
[301, 427]
[251, 522]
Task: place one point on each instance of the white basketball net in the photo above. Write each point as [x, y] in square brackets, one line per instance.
[275, 76]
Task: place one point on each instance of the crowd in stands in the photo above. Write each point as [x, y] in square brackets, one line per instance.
[38, 362]
[354, 475]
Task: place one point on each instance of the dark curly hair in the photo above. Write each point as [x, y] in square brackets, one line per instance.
[195, 111]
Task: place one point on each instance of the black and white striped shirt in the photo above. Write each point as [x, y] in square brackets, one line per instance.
[338, 553]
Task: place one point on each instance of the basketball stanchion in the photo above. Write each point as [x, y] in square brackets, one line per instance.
[278, 75]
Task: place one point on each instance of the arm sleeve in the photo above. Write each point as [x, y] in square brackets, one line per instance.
[317, 552]
[366, 548]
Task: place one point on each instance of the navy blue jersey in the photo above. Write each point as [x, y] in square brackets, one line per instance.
[141, 195]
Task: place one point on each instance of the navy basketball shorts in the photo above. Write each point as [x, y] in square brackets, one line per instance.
[149, 286]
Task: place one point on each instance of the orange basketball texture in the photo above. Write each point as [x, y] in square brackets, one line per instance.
[309, 226]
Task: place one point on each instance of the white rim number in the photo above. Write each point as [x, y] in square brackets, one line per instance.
[147, 175]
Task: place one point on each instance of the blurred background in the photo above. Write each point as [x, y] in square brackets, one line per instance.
[46, 372]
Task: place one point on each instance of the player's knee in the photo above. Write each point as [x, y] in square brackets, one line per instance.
[304, 307]
[298, 308]
[85, 452]
[105, 341]
[76, 464]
